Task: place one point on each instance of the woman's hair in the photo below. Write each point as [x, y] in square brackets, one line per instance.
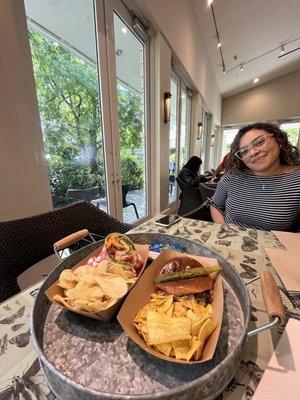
[288, 155]
[193, 164]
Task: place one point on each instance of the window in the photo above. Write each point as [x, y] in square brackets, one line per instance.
[64, 56]
[180, 131]
[228, 136]
[293, 131]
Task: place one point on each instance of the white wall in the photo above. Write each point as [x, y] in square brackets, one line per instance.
[24, 184]
[177, 21]
[274, 100]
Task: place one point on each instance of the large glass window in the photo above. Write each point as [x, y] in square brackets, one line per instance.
[131, 78]
[293, 131]
[228, 136]
[64, 55]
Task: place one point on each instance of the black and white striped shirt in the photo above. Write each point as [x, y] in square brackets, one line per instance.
[264, 202]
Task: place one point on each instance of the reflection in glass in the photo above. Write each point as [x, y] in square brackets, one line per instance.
[130, 55]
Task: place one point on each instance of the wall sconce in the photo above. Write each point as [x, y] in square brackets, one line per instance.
[167, 107]
[199, 130]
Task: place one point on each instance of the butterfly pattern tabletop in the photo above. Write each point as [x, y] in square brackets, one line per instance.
[20, 374]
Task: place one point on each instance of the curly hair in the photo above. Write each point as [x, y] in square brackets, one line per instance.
[289, 154]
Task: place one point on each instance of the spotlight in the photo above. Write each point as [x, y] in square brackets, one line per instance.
[282, 49]
[224, 70]
[124, 30]
[219, 44]
[241, 68]
[209, 2]
[256, 80]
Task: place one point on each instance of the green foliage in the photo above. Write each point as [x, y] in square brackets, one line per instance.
[68, 97]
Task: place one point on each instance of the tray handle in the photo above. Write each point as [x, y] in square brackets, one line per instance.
[273, 303]
[272, 298]
[71, 239]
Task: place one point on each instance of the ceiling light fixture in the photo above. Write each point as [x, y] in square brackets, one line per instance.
[209, 2]
[282, 49]
[255, 80]
[218, 37]
[241, 67]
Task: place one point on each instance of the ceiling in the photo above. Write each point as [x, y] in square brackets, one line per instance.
[251, 30]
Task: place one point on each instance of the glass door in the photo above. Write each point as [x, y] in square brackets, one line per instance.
[185, 127]
[128, 48]
[64, 57]
[173, 138]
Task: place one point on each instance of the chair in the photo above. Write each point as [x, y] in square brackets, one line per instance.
[201, 213]
[206, 190]
[84, 194]
[171, 183]
[125, 190]
[190, 198]
[27, 241]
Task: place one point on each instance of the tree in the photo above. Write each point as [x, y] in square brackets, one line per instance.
[69, 104]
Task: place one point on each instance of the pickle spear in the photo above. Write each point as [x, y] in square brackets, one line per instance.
[187, 273]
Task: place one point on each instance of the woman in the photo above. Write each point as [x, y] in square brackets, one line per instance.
[189, 172]
[261, 187]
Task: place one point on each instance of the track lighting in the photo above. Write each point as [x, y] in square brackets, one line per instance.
[282, 49]
[219, 44]
[255, 80]
[224, 70]
[241, 67]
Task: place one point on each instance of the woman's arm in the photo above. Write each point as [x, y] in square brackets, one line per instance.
[216, 215]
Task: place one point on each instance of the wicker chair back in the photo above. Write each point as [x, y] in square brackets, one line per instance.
[26, 241]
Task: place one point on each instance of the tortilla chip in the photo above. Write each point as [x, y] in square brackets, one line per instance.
[164, 329]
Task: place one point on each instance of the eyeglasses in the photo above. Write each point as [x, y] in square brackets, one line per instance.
[259, 143]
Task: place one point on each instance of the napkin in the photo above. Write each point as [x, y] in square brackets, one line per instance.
[287, 265]
[290, 240]
[281, 379]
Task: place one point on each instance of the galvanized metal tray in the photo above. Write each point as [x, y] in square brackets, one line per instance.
[88, 359]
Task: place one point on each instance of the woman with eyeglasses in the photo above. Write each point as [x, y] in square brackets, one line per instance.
[261, 186]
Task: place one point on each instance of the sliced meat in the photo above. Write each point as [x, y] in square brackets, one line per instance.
[186, 286]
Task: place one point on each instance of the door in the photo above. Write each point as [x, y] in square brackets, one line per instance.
[128, 55]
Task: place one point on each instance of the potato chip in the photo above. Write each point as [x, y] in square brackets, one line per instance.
[164, 329]
[84, 270]
[67, 279]
[113, 286]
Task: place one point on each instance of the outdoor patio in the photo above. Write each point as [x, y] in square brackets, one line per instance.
[134, 196]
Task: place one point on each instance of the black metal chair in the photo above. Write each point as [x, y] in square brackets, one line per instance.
[27, 241]
[190, 198]
[201, 213]
[84, 194]
[125, 190]
[206, 190]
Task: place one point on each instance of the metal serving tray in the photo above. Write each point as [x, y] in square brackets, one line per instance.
[88, 359]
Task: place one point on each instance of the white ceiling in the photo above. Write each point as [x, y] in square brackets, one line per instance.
[250, 29]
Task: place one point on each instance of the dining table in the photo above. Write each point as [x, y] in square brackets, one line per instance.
[244, 248]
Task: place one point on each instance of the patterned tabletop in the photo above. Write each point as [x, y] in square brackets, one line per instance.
[20, 374]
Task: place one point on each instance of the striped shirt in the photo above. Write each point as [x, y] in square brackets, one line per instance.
[264, 202]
